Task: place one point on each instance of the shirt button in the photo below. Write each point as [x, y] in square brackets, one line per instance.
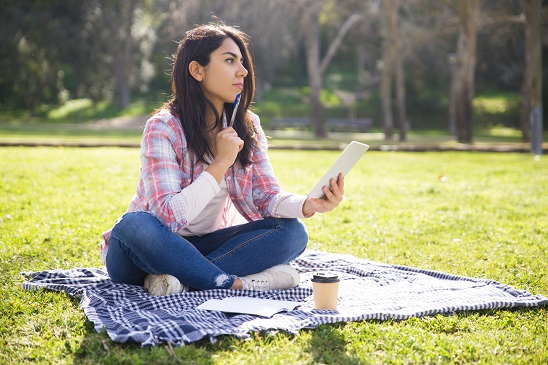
[229, 177]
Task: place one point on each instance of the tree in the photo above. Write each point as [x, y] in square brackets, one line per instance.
[401, 115]
[316, 66]
[37, 42]
[392, 71]
[462, 88]
[532, 82]
[118, 17]
[272, 26]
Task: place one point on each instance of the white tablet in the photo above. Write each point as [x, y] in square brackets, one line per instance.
[348, 158]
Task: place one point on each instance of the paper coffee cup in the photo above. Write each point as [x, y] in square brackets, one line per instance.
[326, 290]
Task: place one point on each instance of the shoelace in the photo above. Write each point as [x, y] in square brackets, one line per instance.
[260, 284]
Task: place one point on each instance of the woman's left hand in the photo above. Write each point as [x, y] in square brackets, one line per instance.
[331, 199]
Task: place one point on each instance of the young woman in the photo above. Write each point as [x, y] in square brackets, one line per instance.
[208, 211]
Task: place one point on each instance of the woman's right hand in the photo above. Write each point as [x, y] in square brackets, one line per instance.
[227, 146]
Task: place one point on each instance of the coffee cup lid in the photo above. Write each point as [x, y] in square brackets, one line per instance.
[325, 278]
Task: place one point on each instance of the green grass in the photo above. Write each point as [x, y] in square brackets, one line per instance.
[81, 111]
[474, 214]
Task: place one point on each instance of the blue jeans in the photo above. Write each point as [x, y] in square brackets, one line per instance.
[140, 245]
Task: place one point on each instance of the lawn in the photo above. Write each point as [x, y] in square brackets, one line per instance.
[473, 214]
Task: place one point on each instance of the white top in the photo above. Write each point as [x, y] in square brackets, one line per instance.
[206, 201]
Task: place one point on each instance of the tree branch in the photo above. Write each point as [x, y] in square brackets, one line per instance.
[338, 40]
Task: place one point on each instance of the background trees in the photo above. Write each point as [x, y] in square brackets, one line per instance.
[392, 70]
[424, 59]
[38, 44]
[316, 64]
[532, 85]
[462, 89]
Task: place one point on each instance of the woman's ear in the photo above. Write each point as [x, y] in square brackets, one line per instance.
[196, 70]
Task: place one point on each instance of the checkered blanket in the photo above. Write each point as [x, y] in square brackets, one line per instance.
[368, 290]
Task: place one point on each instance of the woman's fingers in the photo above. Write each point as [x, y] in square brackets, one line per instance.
[228, 144]
[340, 183]
[333, 195]
[336, 191]
[229, 135]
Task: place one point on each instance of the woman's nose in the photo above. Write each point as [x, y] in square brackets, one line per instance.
[242, 71]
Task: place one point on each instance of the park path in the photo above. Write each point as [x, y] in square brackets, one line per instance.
[339, 140]
[139, 122]
[133, 122]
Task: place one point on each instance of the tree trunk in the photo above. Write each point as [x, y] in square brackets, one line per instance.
[389, 12]
[316, 66]
[524, 105]
[453, 64]
[392, 71]
[311, 29]
[386, 98]
[119, 20]
[401, 114]
[533, 75]
[124, 86]
[468, 12]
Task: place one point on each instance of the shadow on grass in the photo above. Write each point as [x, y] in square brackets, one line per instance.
[328, 345]
[98, 348]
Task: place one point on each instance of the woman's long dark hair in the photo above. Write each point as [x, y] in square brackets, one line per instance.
[189, 102]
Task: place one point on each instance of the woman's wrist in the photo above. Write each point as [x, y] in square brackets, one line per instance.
[218, 169]
[308, 209]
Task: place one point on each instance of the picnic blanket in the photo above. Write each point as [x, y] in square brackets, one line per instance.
[368, 290]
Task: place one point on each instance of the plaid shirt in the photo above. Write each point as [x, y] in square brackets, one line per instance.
[166, 169]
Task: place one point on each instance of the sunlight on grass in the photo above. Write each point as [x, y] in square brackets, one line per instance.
[494, 105]
[71, 107]
[472, 214]
[497, 104]
[501, 131]
[79, 111]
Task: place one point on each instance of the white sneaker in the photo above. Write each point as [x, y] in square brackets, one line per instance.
[277, 277]
[163, 284]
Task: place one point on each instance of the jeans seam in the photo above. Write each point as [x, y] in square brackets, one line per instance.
[244, 244]
[236, 232]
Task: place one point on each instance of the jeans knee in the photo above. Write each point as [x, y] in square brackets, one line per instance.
[134, 225]
[297, 235]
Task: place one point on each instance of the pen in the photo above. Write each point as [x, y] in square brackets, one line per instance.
[236, 103]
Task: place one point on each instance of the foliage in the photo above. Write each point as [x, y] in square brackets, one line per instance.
[474, 214]
[84, 110]
[491, 109]
[33, 64]
[497, 109]
[54, 51]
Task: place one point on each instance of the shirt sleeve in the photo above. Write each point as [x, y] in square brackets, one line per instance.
[291, 207]
[198, 194]
[161, 179]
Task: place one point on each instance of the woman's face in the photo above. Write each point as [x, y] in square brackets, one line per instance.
[223, 78]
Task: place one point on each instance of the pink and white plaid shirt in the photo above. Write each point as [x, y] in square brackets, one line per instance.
[166, 169]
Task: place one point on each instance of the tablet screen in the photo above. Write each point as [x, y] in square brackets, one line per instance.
[348, 158]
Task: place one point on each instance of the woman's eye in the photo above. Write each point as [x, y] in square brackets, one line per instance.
[230, 60]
